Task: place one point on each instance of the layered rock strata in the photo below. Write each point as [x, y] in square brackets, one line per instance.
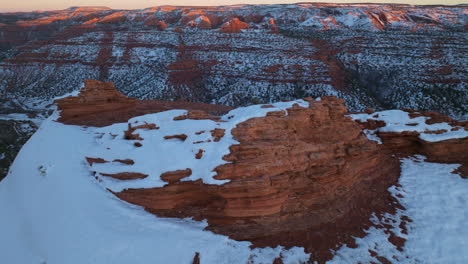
[100, 104]
[303, 176]
[408, 140]
[309, 178]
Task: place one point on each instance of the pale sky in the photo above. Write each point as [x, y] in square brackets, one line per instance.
[27, 5]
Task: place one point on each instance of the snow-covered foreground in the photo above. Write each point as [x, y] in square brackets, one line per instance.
[54, 211]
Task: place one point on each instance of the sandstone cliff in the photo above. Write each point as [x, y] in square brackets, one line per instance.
[100, 104]
[306, 178]
[303, 175]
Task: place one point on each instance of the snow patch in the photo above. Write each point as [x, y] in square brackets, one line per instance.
[174, 154]
[435, 200]
[400, 121]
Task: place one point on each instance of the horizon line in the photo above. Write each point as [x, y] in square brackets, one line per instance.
[231, 5]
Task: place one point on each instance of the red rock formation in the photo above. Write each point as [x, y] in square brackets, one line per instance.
[272, 25]
[309, 178]
[408, 143]
[129, 135]
[91, 161]
[234, 26]
[96, 97]
[146, 126]
[217, 134]
[182, 137]
[175, 176]
[115, 18]
[196, 258]
[100, 104]
[197, 115]
[124, 176]
[151, 22]
[125, 161]
[158, 24]
[161, 26]
[203, 22]
[199, 154]
[447, 151]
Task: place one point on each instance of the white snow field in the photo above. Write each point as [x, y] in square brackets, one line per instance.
[54, 211]
[436, 200]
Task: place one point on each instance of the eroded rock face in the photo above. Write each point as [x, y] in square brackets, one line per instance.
[302, 176]
[408, 143]
[309, 178]
[100, 104]
[95, 97]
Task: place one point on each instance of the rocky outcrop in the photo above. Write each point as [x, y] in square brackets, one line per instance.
[303, 176]
[175, 176]
[100, 104]
[272, 25]
[95, 98]
[309, 178]
[202, 22]
[234, 26]
[447, 151]
[408, 143]
[126, 175]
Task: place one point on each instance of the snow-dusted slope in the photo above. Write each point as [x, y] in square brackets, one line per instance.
[436, 201]
[54, 210]
[171, 154]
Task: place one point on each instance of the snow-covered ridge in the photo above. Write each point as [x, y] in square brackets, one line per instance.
[401, 121]
[158, 155]
[54, 212]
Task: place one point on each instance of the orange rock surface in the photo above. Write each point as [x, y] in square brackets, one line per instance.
[100, 104]
[234, 26]
[408, 143]
[126, 175]
[175, 176]
[307, 178]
